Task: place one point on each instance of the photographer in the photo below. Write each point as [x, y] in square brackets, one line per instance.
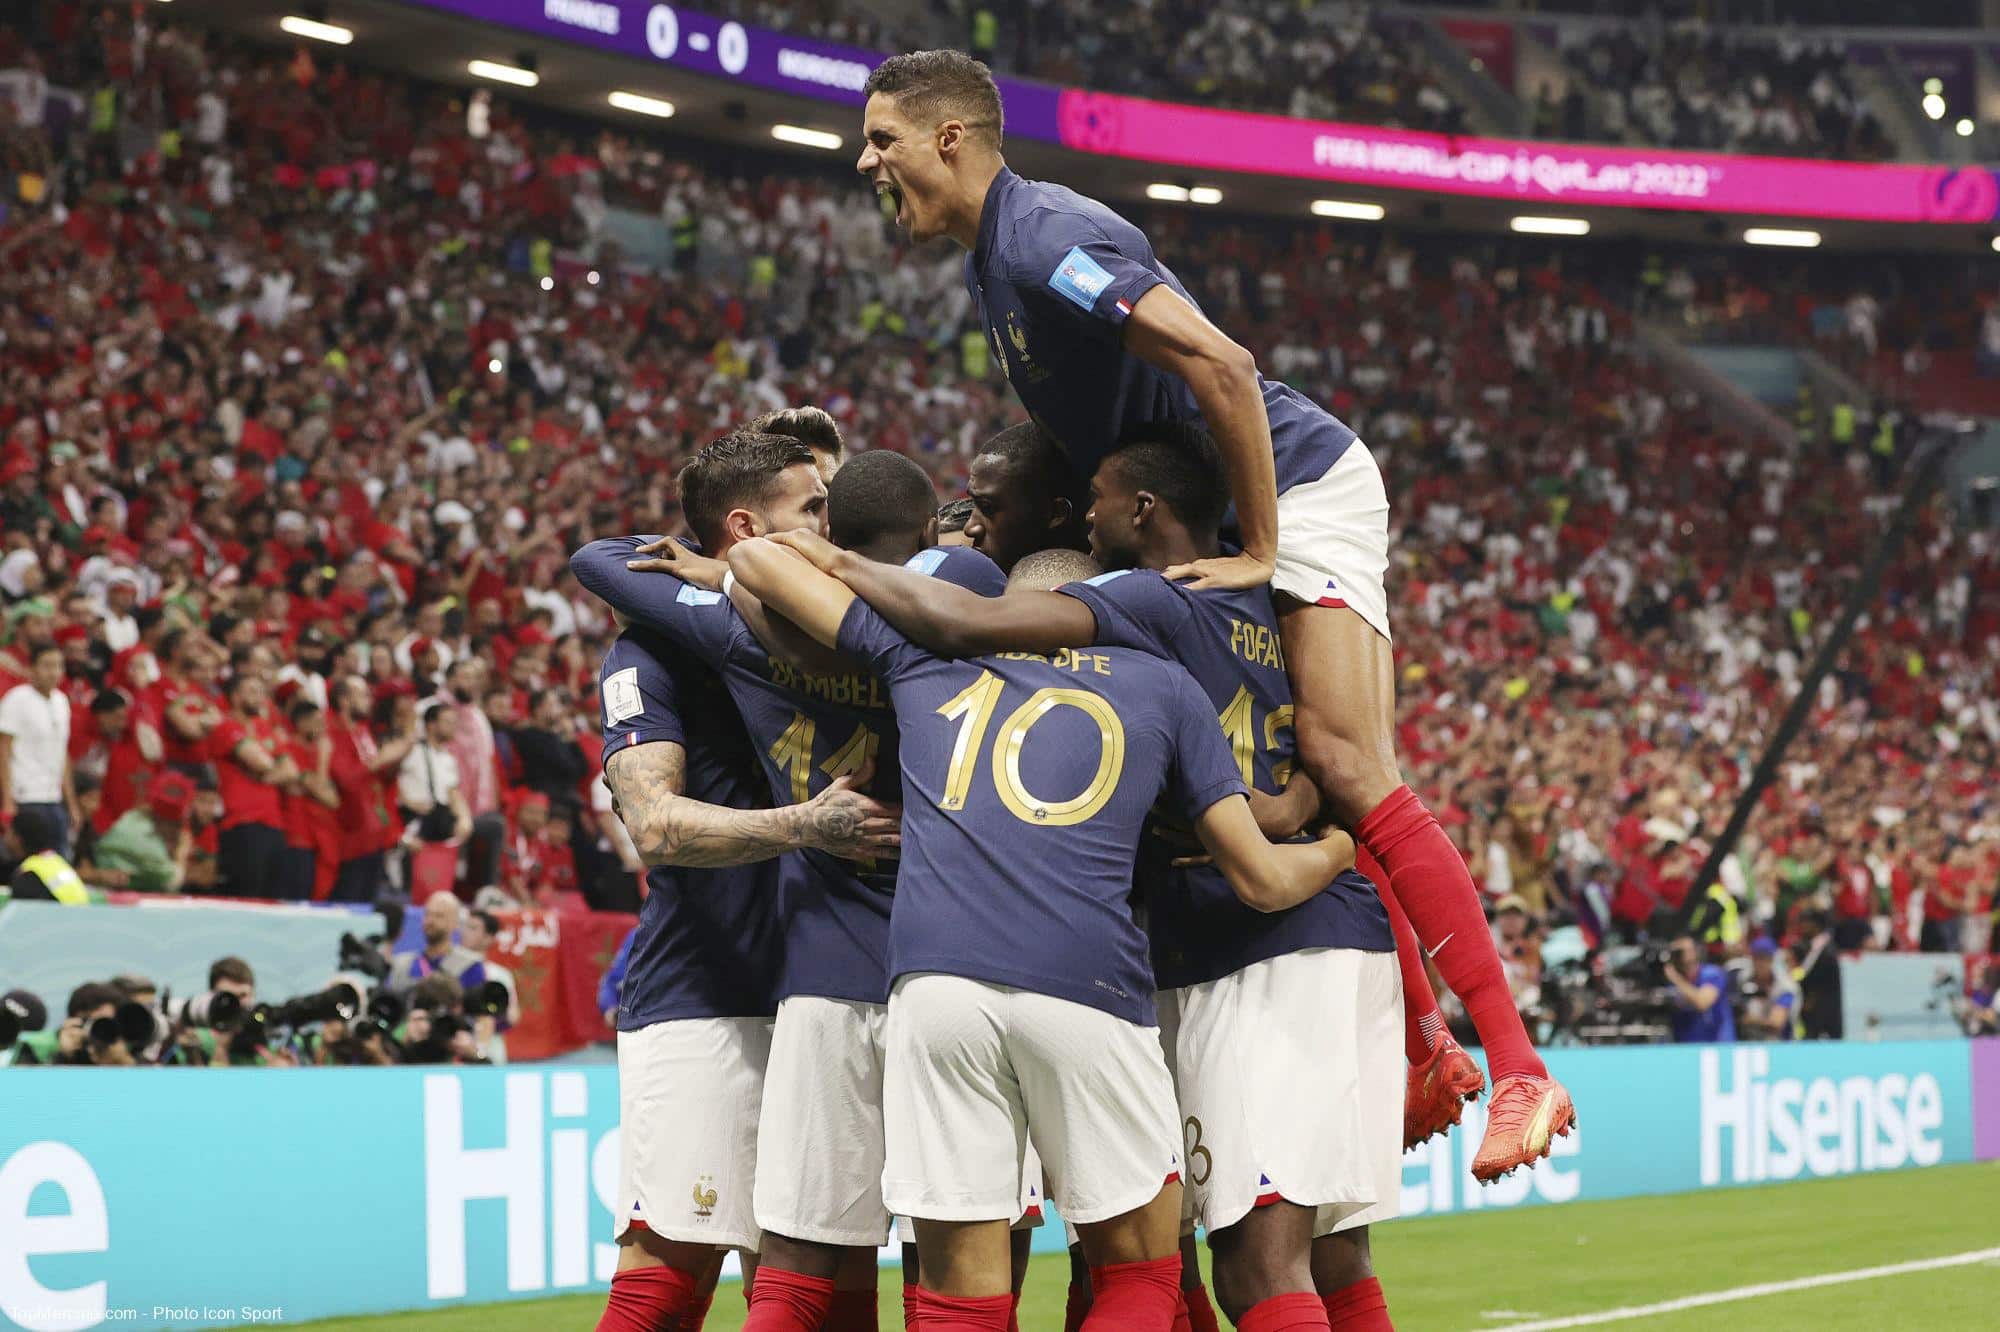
[89, 1035]
[1701, 1004]
[440, 956]
[1770, 997]
[436, 1032]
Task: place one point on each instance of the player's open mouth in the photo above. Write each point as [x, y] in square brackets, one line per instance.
[883, 187]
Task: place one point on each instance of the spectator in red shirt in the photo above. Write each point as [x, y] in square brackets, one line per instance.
[364, 773]
[247, 748]
[123, 754]
[312, 805]
[180, 699]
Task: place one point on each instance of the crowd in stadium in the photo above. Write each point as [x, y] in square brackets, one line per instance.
[304, 411]
[1688, 85]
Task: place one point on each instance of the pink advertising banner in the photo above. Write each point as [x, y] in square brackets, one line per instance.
[1986, 1099]
[1541, 174]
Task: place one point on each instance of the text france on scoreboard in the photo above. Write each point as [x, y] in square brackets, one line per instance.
[1172, 134]
[429, 1187]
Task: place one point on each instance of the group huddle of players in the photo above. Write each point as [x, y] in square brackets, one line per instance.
[1047, 884]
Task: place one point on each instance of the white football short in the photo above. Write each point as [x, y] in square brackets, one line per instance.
[819, 1158]
[1290, 1077]
[979, 1073]
[1030, 1203]
[689, 1092]
[1333, 539]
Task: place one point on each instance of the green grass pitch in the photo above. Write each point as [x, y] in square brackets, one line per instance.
[1487, 1270]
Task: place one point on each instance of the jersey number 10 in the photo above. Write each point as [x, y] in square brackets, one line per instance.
[973, 707]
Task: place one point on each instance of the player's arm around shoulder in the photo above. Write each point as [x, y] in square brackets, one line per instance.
[1270, 876]
[668, 828]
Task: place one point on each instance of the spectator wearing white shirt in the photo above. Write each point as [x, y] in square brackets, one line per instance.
[427, 783]
[34, 745]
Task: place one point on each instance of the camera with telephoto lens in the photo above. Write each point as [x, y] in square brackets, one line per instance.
[217, 1008]
[133, 1023]
[339, 1000]
[364, 956]
[490, 999]
[385, 1012]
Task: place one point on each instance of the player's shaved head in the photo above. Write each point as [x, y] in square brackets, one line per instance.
[1047, 570]
[812, 426]
[931, 87]
[741, 470]
[880, 497]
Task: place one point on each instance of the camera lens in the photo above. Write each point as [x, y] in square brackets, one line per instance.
[105, 1031]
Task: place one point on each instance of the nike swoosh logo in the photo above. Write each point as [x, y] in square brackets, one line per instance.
[1433, 952]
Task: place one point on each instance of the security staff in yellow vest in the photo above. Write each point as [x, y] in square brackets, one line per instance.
[43, 875]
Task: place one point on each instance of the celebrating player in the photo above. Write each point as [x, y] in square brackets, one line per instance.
[694, 1014]
[1261, 1013]
[819, 1178]
[1011, 835]
[1097, 336]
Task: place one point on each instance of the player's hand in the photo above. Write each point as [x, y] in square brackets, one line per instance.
[667, 555]
[1235, 572]
[1339, 847]
[844, 821]
[819, 552]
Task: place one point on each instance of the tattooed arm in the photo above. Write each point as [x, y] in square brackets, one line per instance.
[669, 829]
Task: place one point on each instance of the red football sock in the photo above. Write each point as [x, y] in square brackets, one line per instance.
[909, 1298]
[1200, 1314]
[1014, 1315]
[644, 1299]
[951, 1313]
[1284, 1313]
[1422, 1023]
[788, 1302]
[1135, 1297]
[691, 1320]
[852, 1311]
[1359, 1308]
[1077, 1308]
[1428, 878]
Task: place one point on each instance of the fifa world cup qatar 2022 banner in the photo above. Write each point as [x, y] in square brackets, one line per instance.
[1528, 172]
[197, 1197]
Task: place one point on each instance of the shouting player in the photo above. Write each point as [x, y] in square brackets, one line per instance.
[1261, 1013]
[819, 1177]
[1027, 781]
[1097, 336]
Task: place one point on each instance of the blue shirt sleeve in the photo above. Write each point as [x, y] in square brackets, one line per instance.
[1135, 608]
[701, 621]
[1067, 257]
[961, 566]
[865, 634]
[1204, 770]
[638, 695]
[614, 979]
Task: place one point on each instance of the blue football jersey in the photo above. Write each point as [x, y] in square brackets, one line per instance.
[1054, 276]
[1228, 641]
[1026, 784]
[708, 942]
[807, 729]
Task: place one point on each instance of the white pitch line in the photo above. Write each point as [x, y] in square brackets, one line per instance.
[1753, 1292]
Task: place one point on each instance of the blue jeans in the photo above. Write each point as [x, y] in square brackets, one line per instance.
[58, 812]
